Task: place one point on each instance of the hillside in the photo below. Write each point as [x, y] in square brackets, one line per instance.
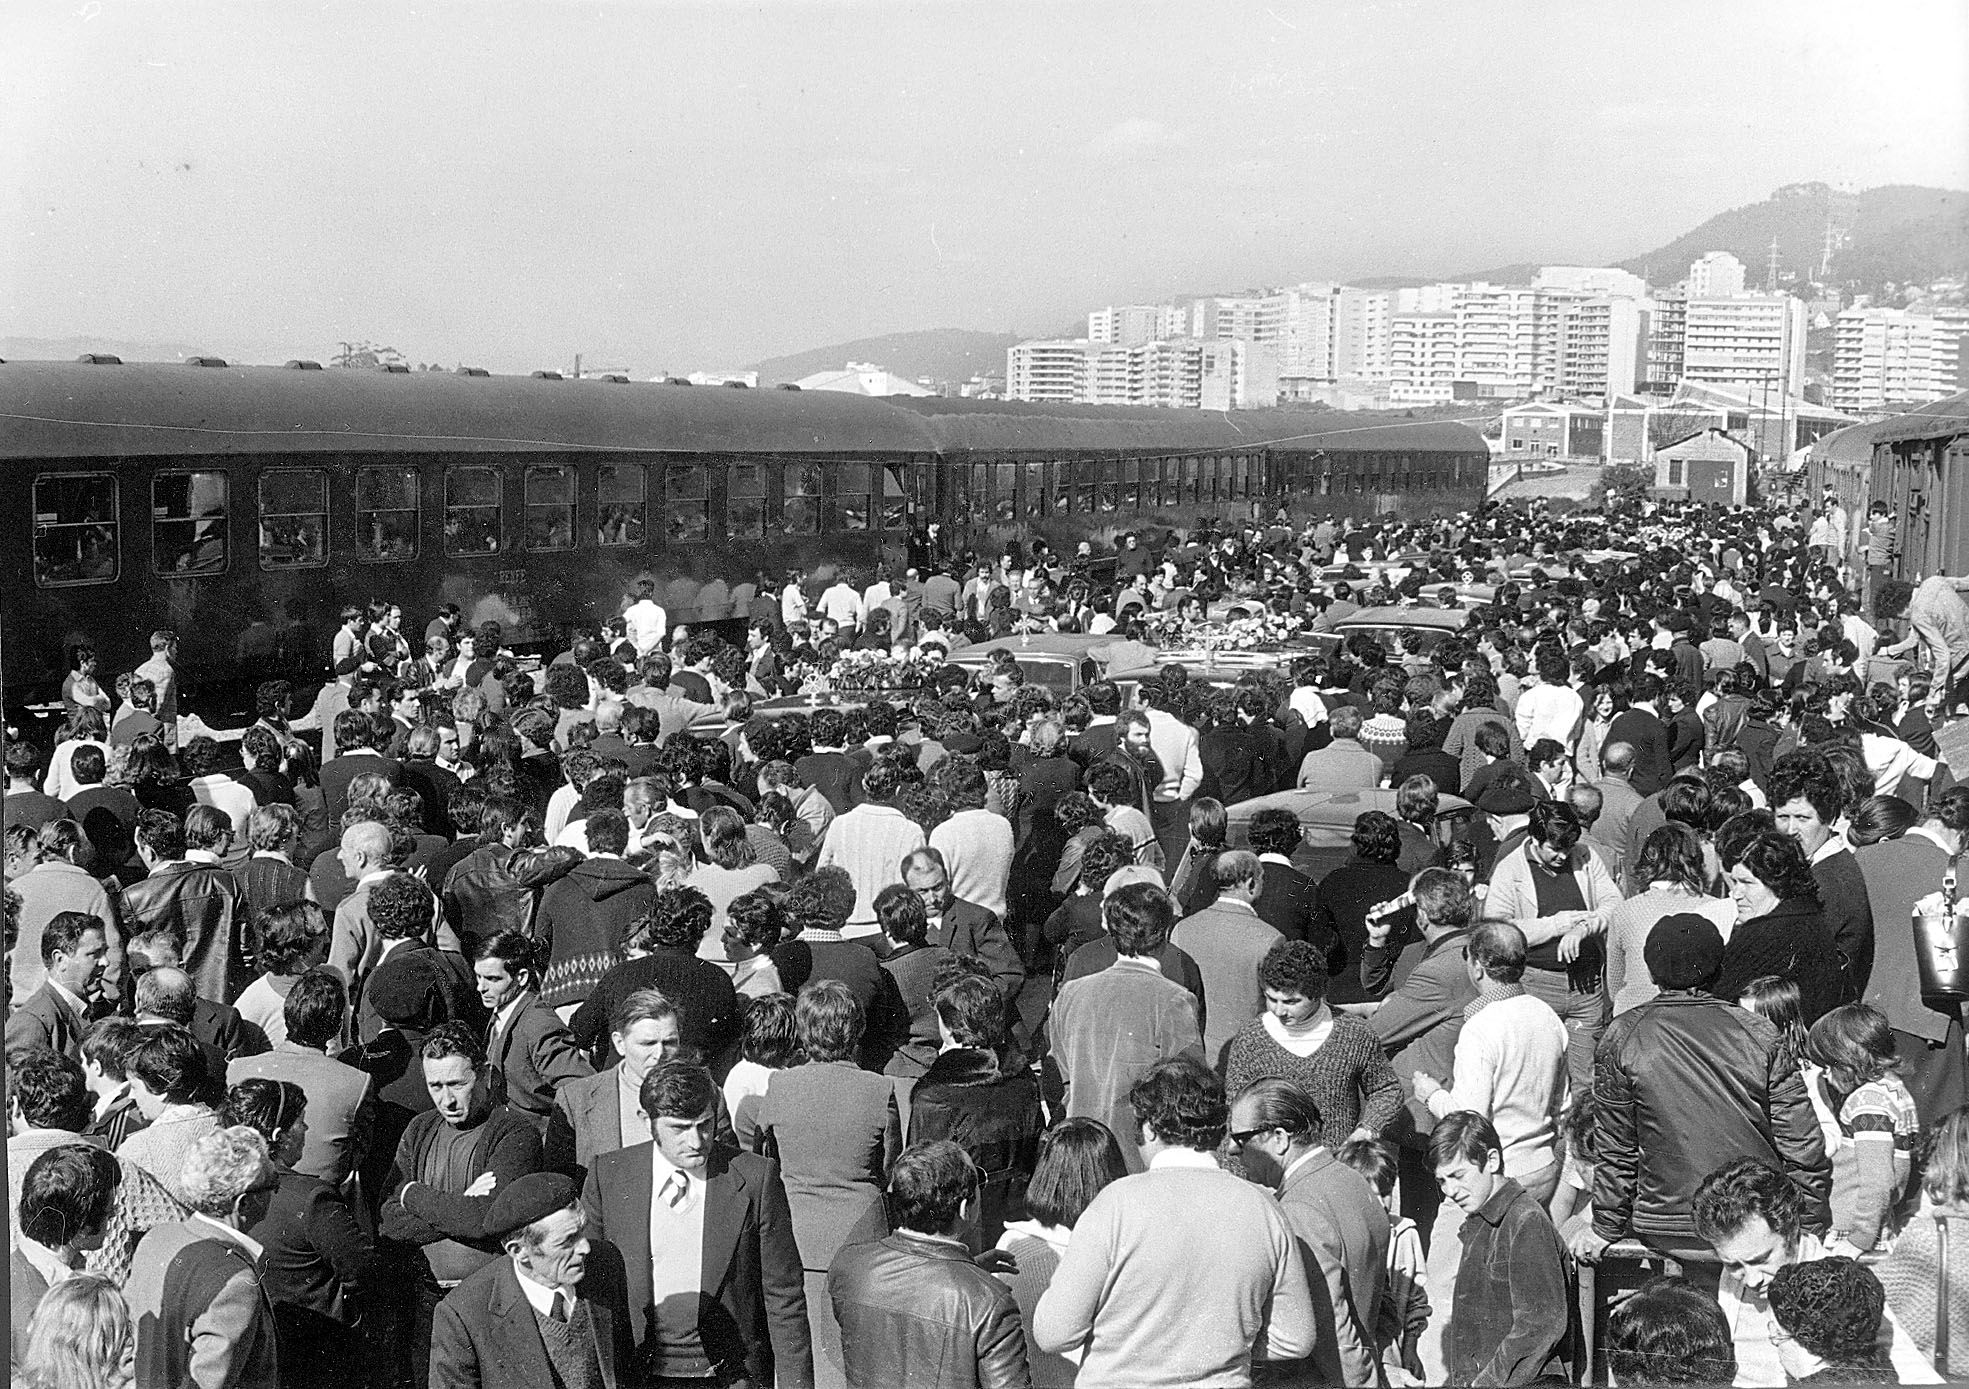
[1893, 234]
[943, 354]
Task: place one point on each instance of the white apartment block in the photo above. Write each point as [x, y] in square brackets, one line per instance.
[1360, 338]
[1753, 344]
[1422, 358]
[1602, 347]
[1884, 358]
[1052, 370]
[1507, 339]
[1136, 323]
[1716, 275]
[1173, 373]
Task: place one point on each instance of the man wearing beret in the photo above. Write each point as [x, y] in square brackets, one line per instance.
[714, 1279]
[550, 1315]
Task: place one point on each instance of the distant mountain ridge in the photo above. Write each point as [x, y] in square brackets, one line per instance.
[942, 354]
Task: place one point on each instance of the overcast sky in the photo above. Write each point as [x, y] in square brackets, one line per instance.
[672, 186]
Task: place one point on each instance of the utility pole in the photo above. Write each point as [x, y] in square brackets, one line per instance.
[577, 366]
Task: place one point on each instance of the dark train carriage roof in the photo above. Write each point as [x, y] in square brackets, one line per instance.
[1940, 419]
[987, 425]
[73, 410]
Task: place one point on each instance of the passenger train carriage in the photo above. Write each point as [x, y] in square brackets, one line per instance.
[244, 506]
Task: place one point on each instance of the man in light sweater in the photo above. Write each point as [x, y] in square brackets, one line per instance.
[869, 842]
[1510, 1068]
[976, 843]
[1550, 708]
[1183, 1274]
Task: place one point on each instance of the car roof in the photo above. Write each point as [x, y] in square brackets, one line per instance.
[1059, 646]
[1422, 619]
[1327, 817]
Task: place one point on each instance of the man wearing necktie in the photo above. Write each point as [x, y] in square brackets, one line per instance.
[550, 1315]
[712, 1271]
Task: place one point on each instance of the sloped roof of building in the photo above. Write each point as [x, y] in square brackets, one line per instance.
[1735, 446]
[856, 379]
[1939, 419]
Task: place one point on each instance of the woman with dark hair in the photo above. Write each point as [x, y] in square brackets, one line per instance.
[835, 1130]
[1337, 1059]
[1758, 738]
[1668, 1332]
[1078, 1159]
[159, 784]
[80, 688]
[1673, 880]
[1880, 817]
[727, 871]
[1195, 884]
[1780, 928]
[1082, 822]
[317, 1258]
[1829, 1311]
[1371, 876]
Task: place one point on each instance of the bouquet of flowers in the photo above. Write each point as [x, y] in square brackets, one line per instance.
[872, 672]
[1265, 631]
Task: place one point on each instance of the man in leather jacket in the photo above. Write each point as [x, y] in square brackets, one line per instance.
[914, 1309]
[497, 886]
[1684, 1084]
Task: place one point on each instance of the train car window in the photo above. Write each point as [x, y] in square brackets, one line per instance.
[800, 498]
[1101, 496]
[847, 507]
[293, 518]
[1246, 466]
[1035, 485]
[977, 502]
[188, 533]
[75, 529]
[388, 505]
[745, 501]
[897, 498]
[687, 497]
[1004, 493]
[620, 499]
[957, 493]
[471, 511]
[549, 500]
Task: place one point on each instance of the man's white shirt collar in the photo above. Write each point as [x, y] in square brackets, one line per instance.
[1182, 1157]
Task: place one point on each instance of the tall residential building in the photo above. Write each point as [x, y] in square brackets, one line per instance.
[1592, 279]
[1506, 336]
[1255, 317]
[1668, 327]
[1307, 330]
[1750, 343]
[1602, 346]
[1360, 337]
[1054, 370]
[1173, 373]
[1715, 275]
[1885, 358]
[1134, 323]
[1422, 358]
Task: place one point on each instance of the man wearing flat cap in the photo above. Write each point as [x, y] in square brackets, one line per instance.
[1684, 1084]
[550, 1315]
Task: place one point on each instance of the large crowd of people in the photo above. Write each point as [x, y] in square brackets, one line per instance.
[609, 1018]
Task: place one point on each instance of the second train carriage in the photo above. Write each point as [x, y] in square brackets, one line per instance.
[243, 507]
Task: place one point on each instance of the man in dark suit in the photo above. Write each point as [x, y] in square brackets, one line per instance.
[552, 1312]
[716, 1289]
[529, 1049]
[426, 774]
[73, 947]
[353, 733]
[963, 928]
[1289, 900]
[1243, 755]
[1103, 733]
